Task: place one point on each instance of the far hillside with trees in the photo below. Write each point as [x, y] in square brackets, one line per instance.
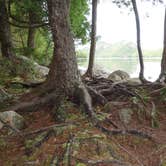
[121, 49]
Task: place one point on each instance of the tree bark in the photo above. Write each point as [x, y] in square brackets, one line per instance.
[5, 34]
[93, 40]
[63, 75]
[141, 74]
[162, 77]
[31, 31]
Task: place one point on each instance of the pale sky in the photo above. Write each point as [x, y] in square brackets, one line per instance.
[114, 24]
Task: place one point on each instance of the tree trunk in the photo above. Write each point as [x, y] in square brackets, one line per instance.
[162, 77]
[5, 34]
[93, 40]
[31, 31]
[63, 79]
[141, 74]
[63, 75]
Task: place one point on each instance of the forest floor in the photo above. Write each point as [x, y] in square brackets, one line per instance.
[76, 142]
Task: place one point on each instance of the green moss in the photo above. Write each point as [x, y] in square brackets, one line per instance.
[163, 163]
[48, 160]
[8, 163]
[30, 144]
[61, 113]
[80, 164]
[3, 143]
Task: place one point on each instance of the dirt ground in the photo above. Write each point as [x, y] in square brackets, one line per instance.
[76, 142]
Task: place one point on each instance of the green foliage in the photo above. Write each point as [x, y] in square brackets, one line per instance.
[21, 9]
[24, 69]
[42, 53]
[43, 47]
[122, 49]
[81, 54]
[79, 10]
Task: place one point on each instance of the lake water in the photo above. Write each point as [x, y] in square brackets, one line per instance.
[130, 65]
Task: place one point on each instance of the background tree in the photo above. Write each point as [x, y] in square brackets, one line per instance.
[89, 72]
[162, 76]
[137, 20]
[26, 13]
[27, 17]
[31, 30]
[63, 80]
[132, 5]
[5, 33]
[79, 11]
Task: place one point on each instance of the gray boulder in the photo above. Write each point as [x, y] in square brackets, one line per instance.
[41, 70]
[100, 71]
[118, 75]
[13, 119]
[133, 81]
[125, 115]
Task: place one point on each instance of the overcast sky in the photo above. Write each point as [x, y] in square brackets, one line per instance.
[116, 25]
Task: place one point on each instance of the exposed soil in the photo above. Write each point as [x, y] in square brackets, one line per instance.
[76, 142]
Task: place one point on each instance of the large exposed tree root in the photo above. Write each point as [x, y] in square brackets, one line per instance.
[101, 162]
[38, 131]
[85, 100]
[96, 96]
[124, 132]
[87, 105]
[28, 84]
[67, 155]
[35, 104]
[107, 88]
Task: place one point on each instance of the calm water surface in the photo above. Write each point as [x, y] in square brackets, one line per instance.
[130, 65]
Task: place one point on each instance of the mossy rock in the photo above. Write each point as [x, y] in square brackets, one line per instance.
[118, 75]
[13, 118]
[125, 115]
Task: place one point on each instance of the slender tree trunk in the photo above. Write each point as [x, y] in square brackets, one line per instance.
[141, 74]
[63, 75]
[93, 40]
[5, 34]
[162, 77]
[31, 31]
